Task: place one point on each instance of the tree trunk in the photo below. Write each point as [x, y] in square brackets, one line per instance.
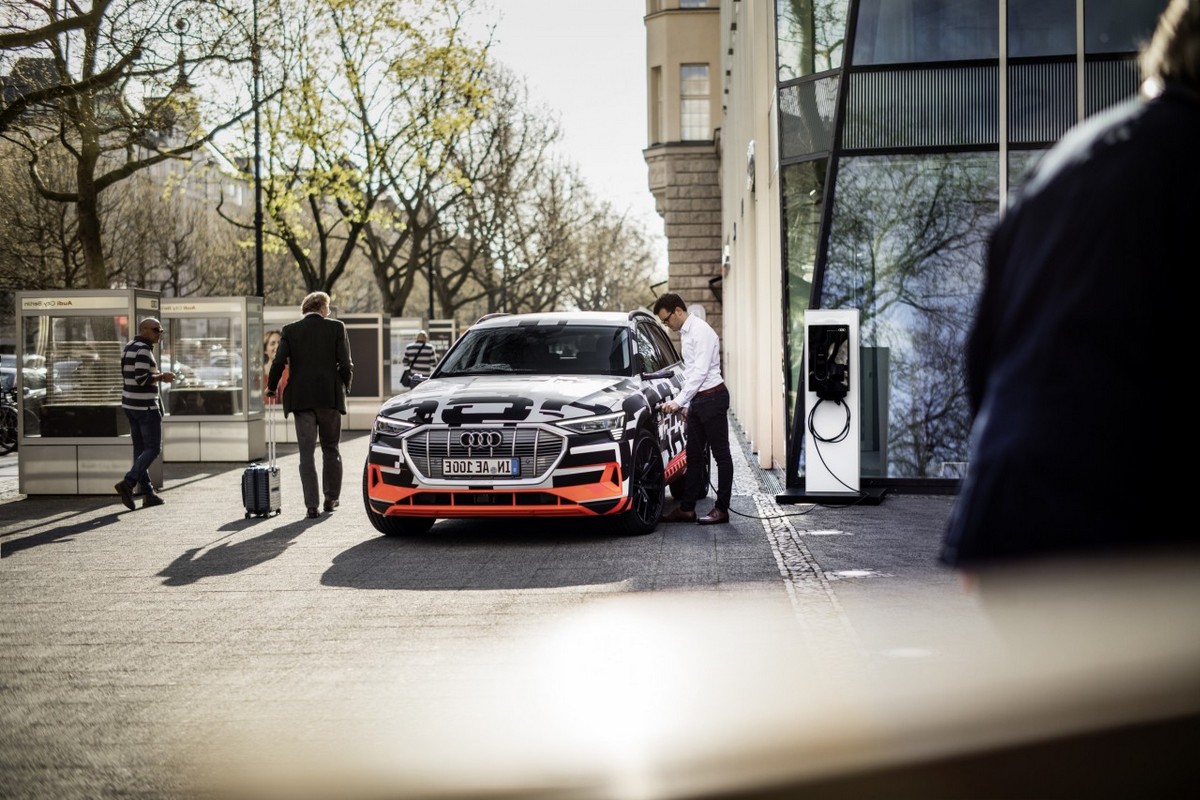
[87, 210]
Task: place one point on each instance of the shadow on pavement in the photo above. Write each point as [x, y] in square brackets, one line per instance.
[229, 558]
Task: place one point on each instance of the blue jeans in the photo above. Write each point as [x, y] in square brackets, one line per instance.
[145, 428]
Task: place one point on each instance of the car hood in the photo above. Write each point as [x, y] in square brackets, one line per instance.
[508, 398]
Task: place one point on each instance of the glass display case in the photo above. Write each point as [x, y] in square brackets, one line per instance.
[214, 408]
[74, 436]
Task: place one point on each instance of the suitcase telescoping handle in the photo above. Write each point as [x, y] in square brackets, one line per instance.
[271, 436]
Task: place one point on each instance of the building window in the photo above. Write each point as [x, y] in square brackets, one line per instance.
[911, 31]
[906, 248]
[693, 3]
[809, 36]
[1041, 28]
[1119, 26]
[657, 121]
[694, 123]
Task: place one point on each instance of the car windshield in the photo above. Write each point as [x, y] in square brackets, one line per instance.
[540, 350]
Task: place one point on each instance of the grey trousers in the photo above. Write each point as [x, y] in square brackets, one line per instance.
[322, 425]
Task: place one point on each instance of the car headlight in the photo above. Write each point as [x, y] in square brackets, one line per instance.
[613, 423]
[386, 426]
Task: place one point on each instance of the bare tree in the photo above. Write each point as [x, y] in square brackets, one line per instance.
[38, 247]
[503, 161]
[144, 112]
[373, 92]
[31, 25]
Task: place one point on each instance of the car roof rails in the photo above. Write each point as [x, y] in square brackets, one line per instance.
[492, 315]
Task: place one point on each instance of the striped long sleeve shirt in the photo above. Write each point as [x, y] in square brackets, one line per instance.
[420, 356]
[140, 390]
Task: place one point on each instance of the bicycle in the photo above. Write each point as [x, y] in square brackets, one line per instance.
[8, 422]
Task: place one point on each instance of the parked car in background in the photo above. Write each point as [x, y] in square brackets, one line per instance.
[534, 415]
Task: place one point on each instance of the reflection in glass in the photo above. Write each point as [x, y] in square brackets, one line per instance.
[1041, 28]
[911, 31]
[78, 365]
[803, 197]
[806, 112]
[906, 248]
[207, 355]
[810, 36]
[1020, 164]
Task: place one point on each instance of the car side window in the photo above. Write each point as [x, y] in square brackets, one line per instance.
[666, 349]
[652, 356]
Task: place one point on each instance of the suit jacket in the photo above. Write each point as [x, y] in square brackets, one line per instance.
[316, 351]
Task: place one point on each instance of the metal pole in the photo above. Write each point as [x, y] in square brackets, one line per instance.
[256, 66]
[430, 291]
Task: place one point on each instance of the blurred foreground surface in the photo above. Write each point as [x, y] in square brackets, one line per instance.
[704, 696]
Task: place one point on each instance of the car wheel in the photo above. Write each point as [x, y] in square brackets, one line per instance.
[679, 485]
[394, 526]
[646, 489]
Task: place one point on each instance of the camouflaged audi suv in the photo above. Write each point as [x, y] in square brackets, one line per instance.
[534, 415]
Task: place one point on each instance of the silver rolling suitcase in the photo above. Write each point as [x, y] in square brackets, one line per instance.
[260, 482]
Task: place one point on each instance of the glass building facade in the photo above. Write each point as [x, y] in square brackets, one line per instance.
[902, 126]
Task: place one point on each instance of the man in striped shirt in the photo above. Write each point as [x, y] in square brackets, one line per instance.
[139, 398]
[419, 355]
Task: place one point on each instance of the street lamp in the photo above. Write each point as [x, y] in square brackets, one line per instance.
[256, 69]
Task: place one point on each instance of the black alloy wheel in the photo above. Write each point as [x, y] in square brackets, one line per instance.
[646, 487]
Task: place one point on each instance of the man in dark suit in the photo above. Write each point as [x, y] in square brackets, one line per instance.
[316, 352]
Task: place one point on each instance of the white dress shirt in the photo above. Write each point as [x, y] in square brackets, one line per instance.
[701, 359]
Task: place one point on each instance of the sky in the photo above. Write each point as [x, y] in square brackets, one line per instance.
[585, 60]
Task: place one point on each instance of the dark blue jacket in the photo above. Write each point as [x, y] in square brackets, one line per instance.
[1081, 421]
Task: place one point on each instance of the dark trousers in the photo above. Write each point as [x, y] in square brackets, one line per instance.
[708, 428]
[145, 428]
[322, 425]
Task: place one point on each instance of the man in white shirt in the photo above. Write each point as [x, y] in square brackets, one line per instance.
[704, 401]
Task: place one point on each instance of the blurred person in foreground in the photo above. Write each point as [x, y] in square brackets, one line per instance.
[1083, 291]
[316, 353]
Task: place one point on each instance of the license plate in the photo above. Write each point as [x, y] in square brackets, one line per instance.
[470, 467]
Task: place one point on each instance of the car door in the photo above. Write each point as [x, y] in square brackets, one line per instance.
[661, 360]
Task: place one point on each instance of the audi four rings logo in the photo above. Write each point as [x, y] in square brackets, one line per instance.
[480, 439]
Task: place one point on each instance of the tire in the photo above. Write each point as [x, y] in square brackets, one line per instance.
[679, 485]
[647, 491]
[394, 526]
[8, 430]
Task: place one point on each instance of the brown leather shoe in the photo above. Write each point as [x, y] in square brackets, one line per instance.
[715, 516]
[679, 515]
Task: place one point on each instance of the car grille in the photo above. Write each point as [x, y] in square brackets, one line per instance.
[537, 448]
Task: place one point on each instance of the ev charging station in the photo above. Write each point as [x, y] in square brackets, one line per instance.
[830, 424]
[831, 436]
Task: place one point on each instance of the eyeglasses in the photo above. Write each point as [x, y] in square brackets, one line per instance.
[156, 330]
[670, 314]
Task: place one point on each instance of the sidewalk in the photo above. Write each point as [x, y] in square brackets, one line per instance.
[161, 652]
